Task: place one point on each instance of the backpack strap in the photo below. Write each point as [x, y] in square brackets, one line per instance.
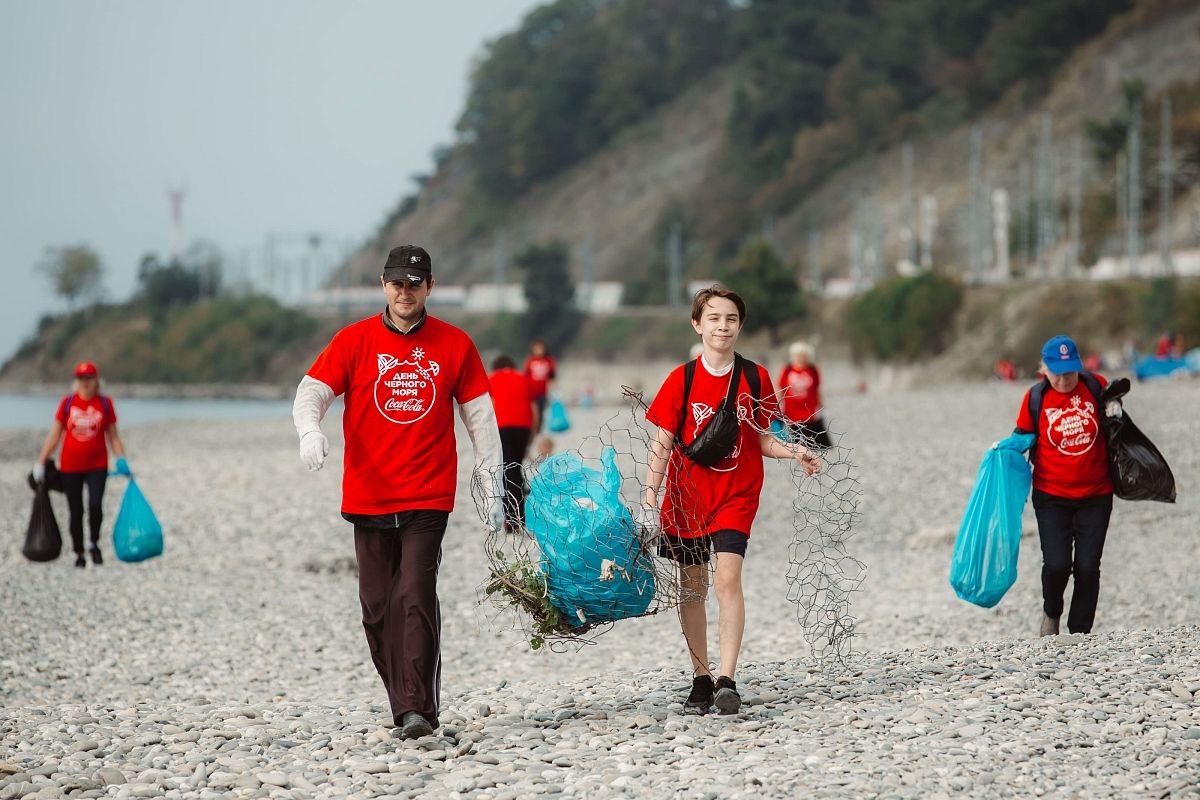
[750, 370]
[64, 407]
[1093, 385]
[106, 406]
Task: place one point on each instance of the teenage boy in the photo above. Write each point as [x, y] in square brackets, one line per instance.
[401, 372]
[708, 509]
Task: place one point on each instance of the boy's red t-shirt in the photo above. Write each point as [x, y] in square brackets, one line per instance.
[539, 370]
[398, 422]
[84, 446]
[1071, 457]
[699, 501]
[801, 392]
[512, 398]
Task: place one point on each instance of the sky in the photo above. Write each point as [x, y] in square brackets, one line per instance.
[276, 117]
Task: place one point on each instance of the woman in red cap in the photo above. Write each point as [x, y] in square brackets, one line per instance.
[86, 424]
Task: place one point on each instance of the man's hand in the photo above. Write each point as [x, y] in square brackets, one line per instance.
[809, 461]
[649, 524]
[122, 467]
[39, 472]
[1113, 409]
[313, 449]
[495, 516]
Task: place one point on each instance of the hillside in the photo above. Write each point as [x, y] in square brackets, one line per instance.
[677, 164]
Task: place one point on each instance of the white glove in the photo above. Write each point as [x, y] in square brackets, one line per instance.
[649, 524]
[313, 449]
[1113, 409]
[39, 472]
[495, 515]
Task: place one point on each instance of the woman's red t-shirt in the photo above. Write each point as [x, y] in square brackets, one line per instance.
[702, 500]
[539, 370]
[1071, 457]
[801, 392]
[84, 446]
[512, 399]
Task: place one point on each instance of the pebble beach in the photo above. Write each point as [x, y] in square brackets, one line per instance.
[234, 665]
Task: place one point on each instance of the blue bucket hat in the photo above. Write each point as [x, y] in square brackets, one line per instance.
[1060, 355]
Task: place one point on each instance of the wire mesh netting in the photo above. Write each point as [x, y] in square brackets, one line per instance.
[573, 559]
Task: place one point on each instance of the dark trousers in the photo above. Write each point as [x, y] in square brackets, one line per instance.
[73, 483]
[397, 587]
[813, 430]
[513, 444]
[1065, 524]
[540, 402]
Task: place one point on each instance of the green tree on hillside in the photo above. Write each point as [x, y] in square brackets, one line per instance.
[73, 271]
[768, 286]
[551, 314]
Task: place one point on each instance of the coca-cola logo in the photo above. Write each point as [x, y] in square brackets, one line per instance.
[1073, 429]
[405, 390]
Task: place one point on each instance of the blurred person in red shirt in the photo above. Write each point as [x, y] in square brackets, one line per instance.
[540, 369]
[515, 416]
[86, 425]
[800, 395]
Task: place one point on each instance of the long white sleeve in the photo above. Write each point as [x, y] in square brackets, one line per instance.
[313, 399]
[480, 418]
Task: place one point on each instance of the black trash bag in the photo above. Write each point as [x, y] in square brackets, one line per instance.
[43, 540]
[52, 478]
[1138, 470]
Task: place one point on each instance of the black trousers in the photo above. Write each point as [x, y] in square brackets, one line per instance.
[513, 444]
[813, 430]
[1065, 525]
[397, 588]
[73, 483]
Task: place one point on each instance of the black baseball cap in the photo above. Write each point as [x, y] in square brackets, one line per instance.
[408, 262]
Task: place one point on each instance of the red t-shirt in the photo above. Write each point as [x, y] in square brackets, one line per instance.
[85, 447]
[801, 392]
[702, 500]
[539, 370]
[512, 398]
[1071, 457]
[398, 421]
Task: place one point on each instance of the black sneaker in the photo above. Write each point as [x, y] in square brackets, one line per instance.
[80, 561]
[701, 696]
[414, 726]
[727, 699]
[96, 557]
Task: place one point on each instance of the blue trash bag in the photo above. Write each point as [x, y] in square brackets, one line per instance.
[137, 534]
[557, 420]
[984, 564]
[780, 432]
[596, 569]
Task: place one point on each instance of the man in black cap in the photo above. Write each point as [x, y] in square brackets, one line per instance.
[401, 373]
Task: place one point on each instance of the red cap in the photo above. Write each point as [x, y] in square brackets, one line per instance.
[86, 369]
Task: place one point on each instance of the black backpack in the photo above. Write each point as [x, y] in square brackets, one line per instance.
[719, 437]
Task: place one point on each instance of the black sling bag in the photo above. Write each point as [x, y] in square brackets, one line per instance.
[719, 437]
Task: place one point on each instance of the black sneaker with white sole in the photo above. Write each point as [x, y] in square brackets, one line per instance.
[701, 697]
[727, 699]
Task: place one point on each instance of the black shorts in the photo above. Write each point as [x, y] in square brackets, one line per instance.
[690, 552]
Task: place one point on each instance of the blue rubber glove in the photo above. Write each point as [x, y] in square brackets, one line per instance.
[123, 467]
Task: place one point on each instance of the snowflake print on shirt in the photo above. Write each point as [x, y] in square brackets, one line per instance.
[406, 394]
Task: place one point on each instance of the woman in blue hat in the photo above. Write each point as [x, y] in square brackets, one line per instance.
[1072, 493]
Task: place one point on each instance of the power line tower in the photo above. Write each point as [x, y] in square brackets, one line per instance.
[675, 264]
[974, 204]
[1133, 188]
[1074, 232]
[1166, 169]
[499, 259]
[1045, 198]
[908, 223]
[175, 198]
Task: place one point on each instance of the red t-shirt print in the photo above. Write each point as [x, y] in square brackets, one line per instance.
[801, 392]
[539, 370]
[1071, 458]
[398, 421]
[512, 398]
[85, 447]
[698, 500]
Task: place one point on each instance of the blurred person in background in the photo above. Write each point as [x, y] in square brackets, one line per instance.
[800, 395]
[1072, 493]
[541, 370]
[515, 415]
[86, 425]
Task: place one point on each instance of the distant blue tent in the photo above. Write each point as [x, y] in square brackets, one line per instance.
[984, 564]
[596, 568]
[1151, 367]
